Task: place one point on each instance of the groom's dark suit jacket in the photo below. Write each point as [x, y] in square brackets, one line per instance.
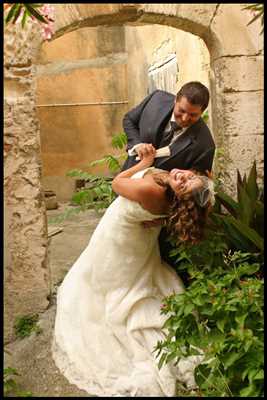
[146, 124]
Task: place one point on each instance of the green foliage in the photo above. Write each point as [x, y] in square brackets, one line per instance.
[258, 11]
[28, 10]
[219, 315]
[205, 116]
[119, 141]
[97, 193]
[242, 220]
[206, 255]
[11, 386]
[25, 325]
[111, 161]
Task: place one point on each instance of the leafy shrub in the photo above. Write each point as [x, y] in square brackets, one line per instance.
[220, 313]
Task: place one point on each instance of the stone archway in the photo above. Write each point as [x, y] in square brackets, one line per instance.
[236, 97]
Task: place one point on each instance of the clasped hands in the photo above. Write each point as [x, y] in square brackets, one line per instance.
[145, 150]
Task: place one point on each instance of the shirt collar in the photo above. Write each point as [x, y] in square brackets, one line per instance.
[172, 118]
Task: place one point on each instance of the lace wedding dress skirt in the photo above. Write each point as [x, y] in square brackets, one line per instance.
[108, 310]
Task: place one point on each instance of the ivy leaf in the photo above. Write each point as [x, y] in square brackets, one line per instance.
[248, 391]
[259, 375]
[188, 309]
[202, 373]
[170, 357]
[220, 325]
[119, 141]
[247, 345]
[162, 359]
[229, 359]
[247, 269]
[241, 319]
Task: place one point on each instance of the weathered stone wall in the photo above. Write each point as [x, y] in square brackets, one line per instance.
[25, 273]
[237, 64]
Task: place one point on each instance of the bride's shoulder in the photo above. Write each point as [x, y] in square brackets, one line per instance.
[153, 170]
[153, 196]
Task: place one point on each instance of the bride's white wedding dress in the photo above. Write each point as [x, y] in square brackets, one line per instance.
[108, 310]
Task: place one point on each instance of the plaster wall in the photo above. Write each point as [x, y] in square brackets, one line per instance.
[81, 67]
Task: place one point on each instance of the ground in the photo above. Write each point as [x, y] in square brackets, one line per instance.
[31, 356]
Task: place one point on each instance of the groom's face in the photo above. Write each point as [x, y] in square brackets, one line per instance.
[185, 113]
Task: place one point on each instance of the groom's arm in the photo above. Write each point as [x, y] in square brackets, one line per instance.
[131, 121]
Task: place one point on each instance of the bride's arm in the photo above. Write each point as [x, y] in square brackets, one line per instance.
[136, 189]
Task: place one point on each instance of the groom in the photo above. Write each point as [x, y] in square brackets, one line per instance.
[173, 124]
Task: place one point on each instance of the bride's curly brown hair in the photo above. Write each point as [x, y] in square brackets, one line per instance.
[186, 219]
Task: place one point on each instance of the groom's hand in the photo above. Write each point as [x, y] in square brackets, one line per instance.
[144, 150]
[153, 223]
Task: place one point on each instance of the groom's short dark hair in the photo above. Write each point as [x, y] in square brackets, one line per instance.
[196, 93]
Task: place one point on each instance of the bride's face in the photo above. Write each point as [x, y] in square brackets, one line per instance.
[179, 177]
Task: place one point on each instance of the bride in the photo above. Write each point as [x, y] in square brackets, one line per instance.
[108, 318]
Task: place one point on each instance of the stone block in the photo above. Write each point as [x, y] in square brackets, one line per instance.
[243, 150]
[233, 36]
[193, 18]
[242, 73]
[71, 16]
[239, 114]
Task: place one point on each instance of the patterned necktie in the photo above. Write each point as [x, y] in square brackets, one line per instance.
[169, 135]
[175, 127]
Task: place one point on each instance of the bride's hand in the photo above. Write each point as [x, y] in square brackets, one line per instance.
[147, 154]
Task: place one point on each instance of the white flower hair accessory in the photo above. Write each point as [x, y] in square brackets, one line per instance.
[205, 193]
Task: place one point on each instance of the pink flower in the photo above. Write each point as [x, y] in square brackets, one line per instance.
[48, 12]
[47, 30]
